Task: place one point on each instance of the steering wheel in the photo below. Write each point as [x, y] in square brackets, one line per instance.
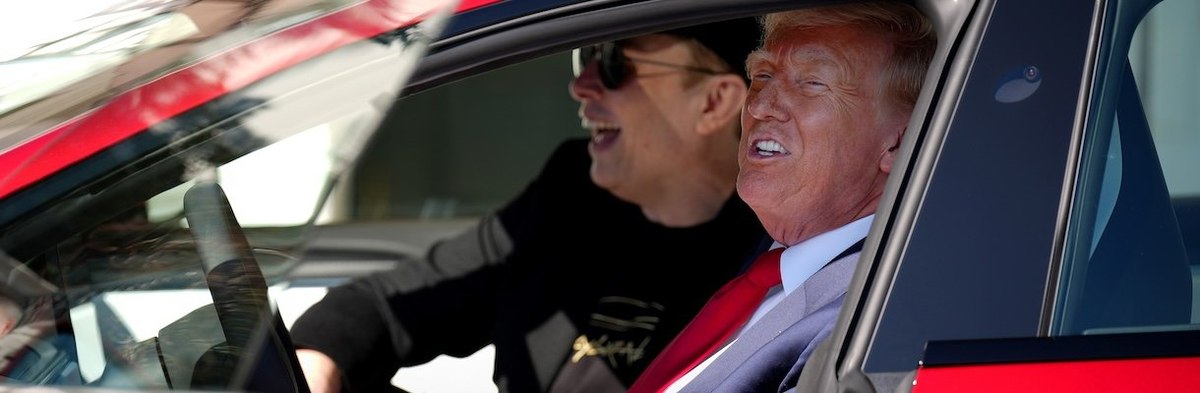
[239, 294]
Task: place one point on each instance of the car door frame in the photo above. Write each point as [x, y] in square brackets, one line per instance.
[839, 364]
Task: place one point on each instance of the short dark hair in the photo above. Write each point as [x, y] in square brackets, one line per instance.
[730, 40]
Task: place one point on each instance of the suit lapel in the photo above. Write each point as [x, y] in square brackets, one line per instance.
[825, 286]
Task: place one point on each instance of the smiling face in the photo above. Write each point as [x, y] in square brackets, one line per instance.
[819, 130]
[642, 130]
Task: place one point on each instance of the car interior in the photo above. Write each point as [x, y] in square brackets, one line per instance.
[130, 277]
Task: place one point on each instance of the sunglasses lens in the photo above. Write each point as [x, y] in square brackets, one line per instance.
[611, 61]
[612, 65]
[580, 57]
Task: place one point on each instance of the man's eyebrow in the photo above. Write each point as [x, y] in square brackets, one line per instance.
[757, 57]
[809, 57]
[820, 57]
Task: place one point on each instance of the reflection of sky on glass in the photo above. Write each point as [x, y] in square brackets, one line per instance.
[48, 45]
[280, 184]
[1018, 84]
[25, 25]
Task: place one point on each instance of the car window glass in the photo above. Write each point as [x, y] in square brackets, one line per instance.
[142, 277]
[1133, 257]
[265, 194]
[461, 150]
[975, 262]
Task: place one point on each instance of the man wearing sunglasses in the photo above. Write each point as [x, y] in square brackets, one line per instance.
[584, 277]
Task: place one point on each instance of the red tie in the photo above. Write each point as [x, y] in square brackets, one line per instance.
[724, 313]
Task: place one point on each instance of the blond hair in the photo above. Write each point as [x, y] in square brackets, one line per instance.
[912, 36]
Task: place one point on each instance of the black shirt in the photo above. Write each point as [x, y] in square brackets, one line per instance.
[585, 295]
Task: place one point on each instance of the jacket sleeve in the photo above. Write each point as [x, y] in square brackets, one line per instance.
[443, 304]
[409, 315]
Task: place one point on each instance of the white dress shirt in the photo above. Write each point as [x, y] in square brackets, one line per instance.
[796, 264]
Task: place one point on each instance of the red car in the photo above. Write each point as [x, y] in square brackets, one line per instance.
[172, 172]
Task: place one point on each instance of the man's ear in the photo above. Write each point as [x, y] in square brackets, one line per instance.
[889, 155]
[723, 98]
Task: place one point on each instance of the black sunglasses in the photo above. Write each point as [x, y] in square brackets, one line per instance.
[614, 66]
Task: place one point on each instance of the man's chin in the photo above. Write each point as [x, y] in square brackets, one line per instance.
[754, 192]
[602, 180]
[606, 178]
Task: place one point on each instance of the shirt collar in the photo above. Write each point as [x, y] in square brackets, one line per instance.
[799, 262]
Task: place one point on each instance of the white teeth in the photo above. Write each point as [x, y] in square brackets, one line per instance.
[769, 148]
[599, 125]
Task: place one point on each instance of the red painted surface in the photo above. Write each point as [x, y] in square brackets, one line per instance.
[133, 111]
[1180, 374]
[467, 5]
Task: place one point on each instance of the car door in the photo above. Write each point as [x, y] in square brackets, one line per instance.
[1040, 237]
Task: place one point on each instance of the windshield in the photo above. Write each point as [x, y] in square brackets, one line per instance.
[143, 229]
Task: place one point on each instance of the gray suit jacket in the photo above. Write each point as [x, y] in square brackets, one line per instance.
[768, 357]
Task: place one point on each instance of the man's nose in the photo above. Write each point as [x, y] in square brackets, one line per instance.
[587, 85]
[763, 104]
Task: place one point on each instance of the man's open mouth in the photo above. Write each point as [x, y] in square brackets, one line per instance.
[768, 148]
